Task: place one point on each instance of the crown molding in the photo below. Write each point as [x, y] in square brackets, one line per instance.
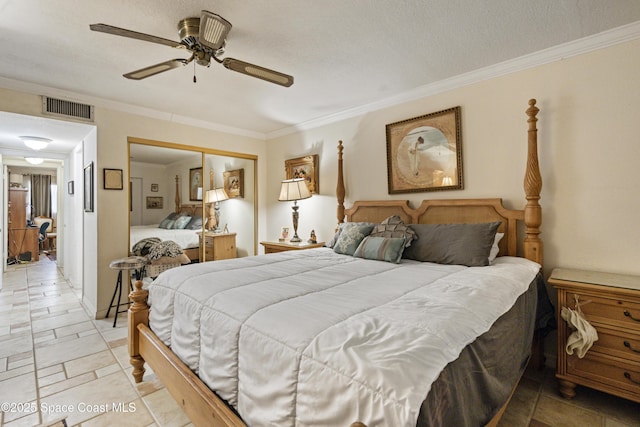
[36, 89]
[581, 46]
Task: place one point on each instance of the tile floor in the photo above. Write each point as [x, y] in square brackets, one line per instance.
[55, 359]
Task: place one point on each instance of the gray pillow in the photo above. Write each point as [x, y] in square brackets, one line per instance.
[168, 222]
[195, 223]
[350, 237]
[393, 226]
[463, 244]
[341, 226]
[181, 222]
[381, 248]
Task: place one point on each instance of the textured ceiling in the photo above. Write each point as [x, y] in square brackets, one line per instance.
[343, 54]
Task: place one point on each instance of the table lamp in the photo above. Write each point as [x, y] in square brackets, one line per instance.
[294, 190]
[214, 197]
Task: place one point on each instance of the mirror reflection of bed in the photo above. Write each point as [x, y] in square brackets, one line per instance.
[161, 179]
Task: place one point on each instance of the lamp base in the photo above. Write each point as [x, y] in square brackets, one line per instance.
[295, 239]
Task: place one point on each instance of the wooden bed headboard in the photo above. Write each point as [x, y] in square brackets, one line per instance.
[465, 210]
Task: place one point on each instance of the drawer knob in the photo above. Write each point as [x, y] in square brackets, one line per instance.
[626, 313]
[628, 345]
[627, 375]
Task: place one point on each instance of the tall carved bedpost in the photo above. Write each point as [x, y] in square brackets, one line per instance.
[177, 198]
[138, 313]
[340, 192]
[532, 188]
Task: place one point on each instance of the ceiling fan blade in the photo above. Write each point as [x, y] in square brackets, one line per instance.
[259, 72]
[213, 30]
[110, 29]
[152, 70]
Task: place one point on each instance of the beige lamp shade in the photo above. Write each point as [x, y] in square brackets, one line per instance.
[293, 189]
[216, 195]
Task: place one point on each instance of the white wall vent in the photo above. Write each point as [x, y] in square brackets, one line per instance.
[69, 109]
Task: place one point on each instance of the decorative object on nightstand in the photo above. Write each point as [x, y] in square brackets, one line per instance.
[294, 190]
[273, 247]
[214, 197]
[611, 304]
[312, 238]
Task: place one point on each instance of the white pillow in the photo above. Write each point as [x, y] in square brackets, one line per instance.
[493, 253]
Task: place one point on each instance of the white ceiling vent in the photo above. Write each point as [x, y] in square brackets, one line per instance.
[69, 109]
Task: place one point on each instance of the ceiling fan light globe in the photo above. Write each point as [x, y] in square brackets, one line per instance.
[213, 30]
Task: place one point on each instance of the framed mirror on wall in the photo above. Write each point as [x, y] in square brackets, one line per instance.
[165, 172]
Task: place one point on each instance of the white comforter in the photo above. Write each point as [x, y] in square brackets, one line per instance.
[313, 338]
[185, 238]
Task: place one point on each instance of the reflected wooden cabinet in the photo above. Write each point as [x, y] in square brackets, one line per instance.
[218, 246]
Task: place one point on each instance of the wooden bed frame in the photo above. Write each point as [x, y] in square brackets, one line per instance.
[191, 209]
[205, 408]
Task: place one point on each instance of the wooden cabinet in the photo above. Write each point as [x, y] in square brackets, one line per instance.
[273, 247]
[218, 246]
[17, 208]
[611, 303]
[22, 239]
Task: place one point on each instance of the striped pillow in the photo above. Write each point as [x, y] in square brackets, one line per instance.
[381, 248]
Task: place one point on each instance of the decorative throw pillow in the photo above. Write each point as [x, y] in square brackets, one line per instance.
[195, 223]
[181, 222]
[393, 226]
[463, 244]
[142, 247]
[333, 241]
[168, 221]
[381, 248]
[165, 248]
[350, 237]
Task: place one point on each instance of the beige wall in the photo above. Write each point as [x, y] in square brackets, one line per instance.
[588, 145]
[588, 153]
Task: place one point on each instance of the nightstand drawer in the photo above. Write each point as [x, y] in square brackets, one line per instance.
[613, 372]
[617, 343]
[611, 311]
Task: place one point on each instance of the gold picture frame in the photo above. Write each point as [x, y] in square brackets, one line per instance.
[234, 183]
[195, 183]
[304, 167]
[425, 153]
[154, 202]
[112, 179]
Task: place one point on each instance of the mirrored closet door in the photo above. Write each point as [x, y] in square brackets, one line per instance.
[204, 200]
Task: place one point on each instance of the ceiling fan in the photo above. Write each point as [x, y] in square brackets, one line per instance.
[205, 37]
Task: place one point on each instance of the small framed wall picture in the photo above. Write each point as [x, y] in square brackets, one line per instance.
[112, 179]
[154, 202]
[70, 187]
[304, 167]
[234, 183]
[154, 188]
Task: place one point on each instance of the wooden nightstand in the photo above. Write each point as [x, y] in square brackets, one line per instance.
[218, 245]
[611, 303]
[273, 247]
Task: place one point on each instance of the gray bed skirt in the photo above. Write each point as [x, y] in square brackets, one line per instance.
[471, 389]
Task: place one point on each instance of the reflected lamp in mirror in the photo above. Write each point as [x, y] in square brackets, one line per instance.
[294, 190]
[214, 197]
